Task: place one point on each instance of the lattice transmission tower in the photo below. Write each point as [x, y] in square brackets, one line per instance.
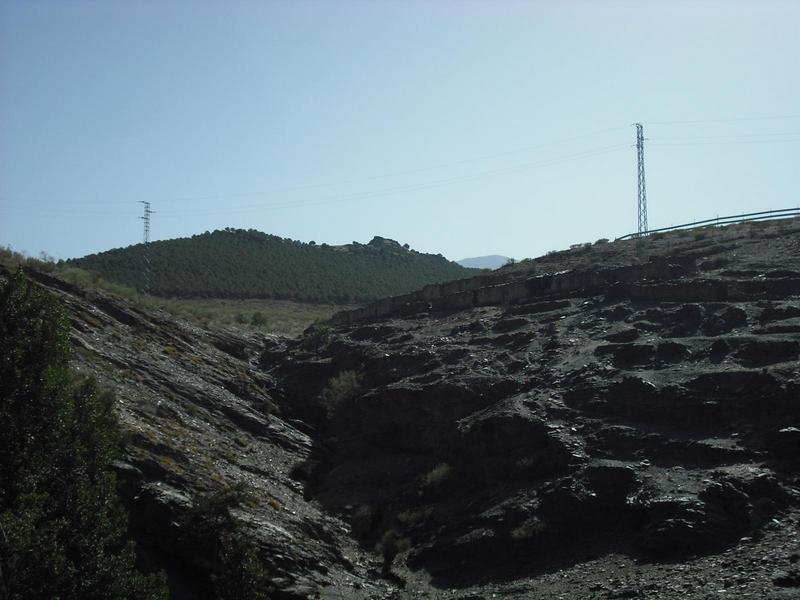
[642, 192]
[146, 238]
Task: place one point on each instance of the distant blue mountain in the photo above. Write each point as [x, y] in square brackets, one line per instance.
[484, 262]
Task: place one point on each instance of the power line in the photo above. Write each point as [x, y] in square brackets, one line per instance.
[435, 167]
[732, 120]
[725, 143]
[405, 172]
[468, 160]
[751, 138]
[736, 136]
[431, 184]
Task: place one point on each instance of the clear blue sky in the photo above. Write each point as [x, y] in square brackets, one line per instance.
[461, 128]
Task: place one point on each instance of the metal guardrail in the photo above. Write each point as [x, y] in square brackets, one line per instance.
[729, 220]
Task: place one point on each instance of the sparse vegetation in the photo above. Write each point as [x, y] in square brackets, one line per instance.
[391, 544]
[317, 336]
[277, 316]
[527, 531]
[340, 388]
[437, 475]
[281, 316]
[412, 518]
[217, 533]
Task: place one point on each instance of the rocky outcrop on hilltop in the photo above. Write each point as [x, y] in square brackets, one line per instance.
[618, 422]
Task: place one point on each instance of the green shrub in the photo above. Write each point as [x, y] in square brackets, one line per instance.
[340, 388]
[317, 336]
[528, 530]
[86, 279]
[258, 319]
[61, 521]
[411, 518]
[437, 475]
[391, 544]
[215, 533]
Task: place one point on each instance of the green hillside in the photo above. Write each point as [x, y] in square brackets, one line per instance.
[234, 263]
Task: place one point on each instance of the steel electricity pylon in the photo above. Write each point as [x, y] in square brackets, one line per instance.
[146, 239]
[642, 191]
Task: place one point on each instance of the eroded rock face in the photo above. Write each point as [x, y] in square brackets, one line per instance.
[201, 415]
[563, 432]
[655, 416]
[630, 431]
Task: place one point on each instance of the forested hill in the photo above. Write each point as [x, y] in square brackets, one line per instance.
[234, 263]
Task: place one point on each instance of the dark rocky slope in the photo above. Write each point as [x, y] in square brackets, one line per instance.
[629, 430]
[510, 427]
[198, 419]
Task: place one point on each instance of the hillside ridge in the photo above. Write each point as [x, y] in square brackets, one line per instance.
[236, 263]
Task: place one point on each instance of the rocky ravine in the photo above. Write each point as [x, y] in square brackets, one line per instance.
[635, 436]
